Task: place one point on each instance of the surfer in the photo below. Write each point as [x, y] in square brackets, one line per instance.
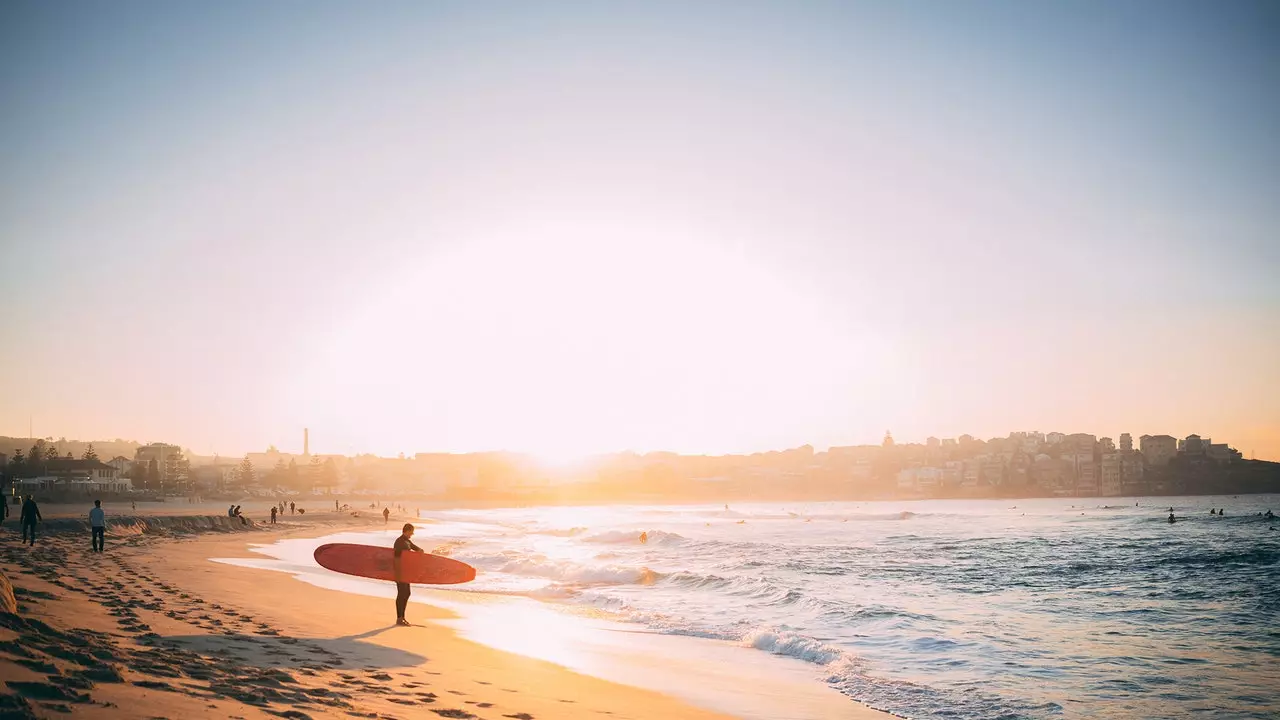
[1270, 515]
[1172, 519]
[644, 538]
[402, 544]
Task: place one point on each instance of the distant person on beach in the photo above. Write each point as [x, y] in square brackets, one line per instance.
[98, 526]
[231, 510]
[274, 509]
[134, 503]
[29, 516]
[402, 544]
[292, 507]
[335, 506]
[386, 515]
[4, 508]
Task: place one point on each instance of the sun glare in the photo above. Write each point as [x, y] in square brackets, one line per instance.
[563, 349]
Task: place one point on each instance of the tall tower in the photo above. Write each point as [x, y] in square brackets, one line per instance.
[306, 442]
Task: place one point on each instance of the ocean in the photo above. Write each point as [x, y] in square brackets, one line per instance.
[1090, 608]
[933, 609]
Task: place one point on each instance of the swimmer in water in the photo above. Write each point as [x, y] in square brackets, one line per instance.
[1172, 519]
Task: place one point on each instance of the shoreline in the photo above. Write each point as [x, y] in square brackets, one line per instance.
[182, 636]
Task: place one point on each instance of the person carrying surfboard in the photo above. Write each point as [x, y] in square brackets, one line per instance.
[402, 544]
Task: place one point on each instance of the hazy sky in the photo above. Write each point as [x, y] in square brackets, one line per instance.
[705, 227]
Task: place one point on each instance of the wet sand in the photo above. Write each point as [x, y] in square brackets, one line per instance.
[153, 629]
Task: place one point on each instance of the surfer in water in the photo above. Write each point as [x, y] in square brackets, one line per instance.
[402, 544]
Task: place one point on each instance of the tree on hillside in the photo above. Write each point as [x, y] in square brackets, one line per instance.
[70, 456]
[138, 474]
[328, 475]
[314, 469]
[244, 474]
[279, 474]
[35, 458]
[17, 467]
[90, 453]
[50, 452]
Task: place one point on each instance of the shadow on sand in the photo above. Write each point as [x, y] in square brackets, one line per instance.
[285, 652]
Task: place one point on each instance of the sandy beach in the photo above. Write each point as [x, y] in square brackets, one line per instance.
[153, 628]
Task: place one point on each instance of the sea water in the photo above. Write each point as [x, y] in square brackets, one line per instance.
[930, 609]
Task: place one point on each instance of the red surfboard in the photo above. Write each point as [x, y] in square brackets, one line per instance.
[375, 562]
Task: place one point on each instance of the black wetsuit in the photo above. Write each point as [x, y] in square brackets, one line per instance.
[402, 589]
[29, 517]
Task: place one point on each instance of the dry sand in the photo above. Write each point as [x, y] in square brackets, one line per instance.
[153, 629]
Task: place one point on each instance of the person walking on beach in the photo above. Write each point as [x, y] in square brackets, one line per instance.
[29, 516]
[98, 526]
[273, 514]
[386, 515]
[292, 507]
[4, 508]
[402, 544]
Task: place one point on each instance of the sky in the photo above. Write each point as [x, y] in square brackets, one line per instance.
[573, 227]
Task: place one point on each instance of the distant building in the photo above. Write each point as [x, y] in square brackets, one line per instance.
[920, 479]
[1126, 443]
[1106, 445]
[1027, 442]
[155, 451]
[948, 442]
[1192, 445]
[1082, 443]
[1051, 475]
[1158, 449]
[932, 443]
[1111, 480]
[1054, 438]
[1087, 476]
[1222, 452]
[88, 475]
